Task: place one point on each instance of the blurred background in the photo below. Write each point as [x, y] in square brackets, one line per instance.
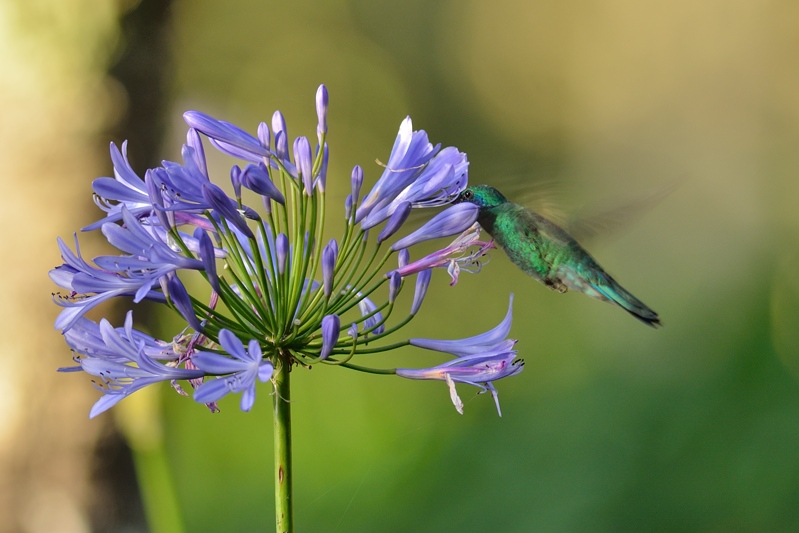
[612, 426]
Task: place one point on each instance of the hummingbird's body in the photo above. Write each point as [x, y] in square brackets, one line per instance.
[546, 252]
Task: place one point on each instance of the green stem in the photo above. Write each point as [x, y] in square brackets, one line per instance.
[284, 492]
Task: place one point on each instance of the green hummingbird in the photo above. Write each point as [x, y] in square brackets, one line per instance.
[547, 252]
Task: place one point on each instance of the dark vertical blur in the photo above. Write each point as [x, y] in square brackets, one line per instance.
[142, 68]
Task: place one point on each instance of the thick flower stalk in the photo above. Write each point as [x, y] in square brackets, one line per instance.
[279, 292]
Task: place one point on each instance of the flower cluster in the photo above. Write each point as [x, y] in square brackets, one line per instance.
[275, 283]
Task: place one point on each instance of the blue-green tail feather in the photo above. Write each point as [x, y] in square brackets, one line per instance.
[610, 289]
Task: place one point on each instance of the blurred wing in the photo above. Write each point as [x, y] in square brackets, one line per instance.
[610, 220]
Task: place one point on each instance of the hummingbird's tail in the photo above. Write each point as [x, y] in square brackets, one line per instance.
[608, 288]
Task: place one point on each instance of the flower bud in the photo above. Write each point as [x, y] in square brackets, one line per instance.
[282, 251]
[226, 207]
[302, 158]
[180, 298]
[357, 182]
[367, 307]
[207, 254]
[193, 140]
[348, 207]
[256, 178]
[264, 136]
[394, 286]
[281, 136]
[235, 179]
[329, 255]
[403, 258]
[321, 111]
[422, 282]
[330, 333]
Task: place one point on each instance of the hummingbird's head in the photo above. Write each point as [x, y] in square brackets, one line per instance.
[481, 196]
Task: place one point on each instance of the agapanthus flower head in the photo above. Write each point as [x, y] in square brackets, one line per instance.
[276, 293]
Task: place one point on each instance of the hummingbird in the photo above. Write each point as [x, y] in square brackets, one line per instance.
[547, 253]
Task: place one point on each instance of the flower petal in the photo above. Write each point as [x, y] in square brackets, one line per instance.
[452, 220]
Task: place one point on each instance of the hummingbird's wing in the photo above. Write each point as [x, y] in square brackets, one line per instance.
[611, 219]
[549, 199]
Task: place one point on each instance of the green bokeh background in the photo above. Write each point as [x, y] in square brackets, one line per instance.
[612, 426]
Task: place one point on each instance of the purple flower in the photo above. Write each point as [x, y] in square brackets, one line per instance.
[438, 183]
[240, 370]
[119, 357]
[484, 342]
[452, 220]
[147, 251]
[126, 188]
[442, 181]
[411, 152]
[133, 275]
[479, 369]
[234, 141]
[187, 191]
[86, 338]
[453, 256]
[330, 332]
[77, 304]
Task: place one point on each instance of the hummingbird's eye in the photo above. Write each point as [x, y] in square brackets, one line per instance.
[467, 195]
